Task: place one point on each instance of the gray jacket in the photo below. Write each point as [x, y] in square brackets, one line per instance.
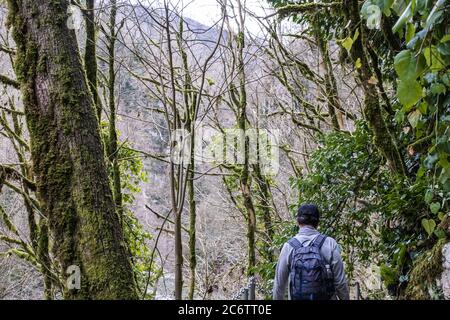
[330, 252]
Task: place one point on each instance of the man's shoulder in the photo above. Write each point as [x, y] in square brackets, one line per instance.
[330, 241]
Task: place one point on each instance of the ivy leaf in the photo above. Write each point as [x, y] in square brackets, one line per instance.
[437, 88]
[429, 225]
[433, 58]
[439, 233]
[388, 274]
[347, 43]
[386, 7]
[409, 92]
[423, 108]
[443, 162]
[421, 172]
[407, 66]
[428, 196]
[414, 118]
[444, 48]
[400, 116]
[358, 63]
[434, 207]
[410, 31]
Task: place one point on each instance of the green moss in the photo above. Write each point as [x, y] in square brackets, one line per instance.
[425, 271]
[79, 217]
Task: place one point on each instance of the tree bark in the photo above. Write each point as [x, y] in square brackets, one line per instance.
[331, 90]
[67, 153]
[113, 139]
[245, 175]
[372, 109]
[90, 55]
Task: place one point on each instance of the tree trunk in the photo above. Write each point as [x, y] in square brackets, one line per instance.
[265, 195]
[192, 227]
[175, 170]
[90, 55]
[372, 109]
[331, 91]
[67, 153]
[113, 140]
[245, 175]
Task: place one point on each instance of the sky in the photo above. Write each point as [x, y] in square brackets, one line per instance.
[208, 12]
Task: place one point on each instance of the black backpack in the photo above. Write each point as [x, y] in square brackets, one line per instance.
[310, 276]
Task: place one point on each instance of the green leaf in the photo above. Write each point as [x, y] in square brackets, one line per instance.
[428, 196]
[347, 43]
[409, 92]
[400, 116]
[414, 118]
[407, 66]
[358, 63]
[439, 233]
[423, 108]
[429, 225]
[437, 88]
[433, 58]
[444, 48]
[421, 172]
[388, 275]
[386, 7]
[443, 162]
[434, 207]
[410, 31]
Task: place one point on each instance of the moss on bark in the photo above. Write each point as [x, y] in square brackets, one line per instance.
[373, 114]
[424, 272]
[67, 152]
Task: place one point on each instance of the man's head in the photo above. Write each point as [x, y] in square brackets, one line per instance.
[308, 215]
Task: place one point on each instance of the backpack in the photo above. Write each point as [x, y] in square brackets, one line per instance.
[310, 276]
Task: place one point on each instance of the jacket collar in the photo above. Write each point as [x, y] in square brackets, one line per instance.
[307, 231]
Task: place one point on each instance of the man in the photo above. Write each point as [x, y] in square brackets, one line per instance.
[292, 269]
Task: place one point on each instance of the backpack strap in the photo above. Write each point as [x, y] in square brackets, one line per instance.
[318, 241]
[295, 243]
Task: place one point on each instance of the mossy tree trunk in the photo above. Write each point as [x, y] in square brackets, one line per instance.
[190, 105]
[331, 91]
[67, 153]
[245, 182]
[372, 108]
[90, 55]
[113, 149]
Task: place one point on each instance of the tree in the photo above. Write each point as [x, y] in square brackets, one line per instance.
[67, 152]
[90, 54]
